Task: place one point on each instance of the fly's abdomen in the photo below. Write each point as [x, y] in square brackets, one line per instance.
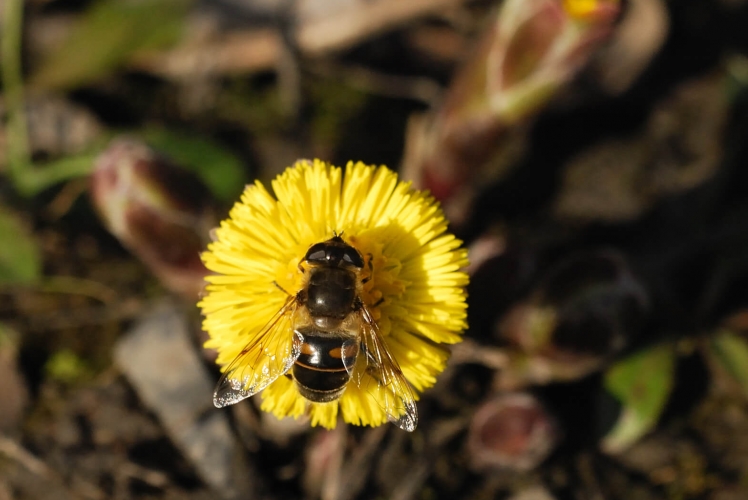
[320, 371]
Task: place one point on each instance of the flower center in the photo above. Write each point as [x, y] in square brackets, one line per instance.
[381, 273]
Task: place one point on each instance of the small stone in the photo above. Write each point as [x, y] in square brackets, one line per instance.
[160, 362]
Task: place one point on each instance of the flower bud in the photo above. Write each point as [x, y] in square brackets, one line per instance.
[324, 461]
[585, 310]
[156, 209]
[529, 52]
[512, 431]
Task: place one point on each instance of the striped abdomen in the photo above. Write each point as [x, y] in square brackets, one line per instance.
[320, 371]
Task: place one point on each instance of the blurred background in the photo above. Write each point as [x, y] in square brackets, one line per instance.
[590, 153]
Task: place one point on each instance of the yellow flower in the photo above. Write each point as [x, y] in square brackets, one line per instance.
[416, 291]
[587, 9]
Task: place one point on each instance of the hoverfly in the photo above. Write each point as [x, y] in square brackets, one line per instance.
[323, 337]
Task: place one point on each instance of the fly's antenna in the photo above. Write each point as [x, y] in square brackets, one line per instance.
[281, 288]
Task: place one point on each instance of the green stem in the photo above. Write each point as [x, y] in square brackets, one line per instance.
[41, 177]
[26, 178]
[66, 285]
[18, 149]
[72, 285]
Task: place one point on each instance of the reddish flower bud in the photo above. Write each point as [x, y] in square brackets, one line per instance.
[158, 210]
[587, 309]
[511, 431]
[532, 49]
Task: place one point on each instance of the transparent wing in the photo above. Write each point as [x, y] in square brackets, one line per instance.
[386, 383]
[268, 356]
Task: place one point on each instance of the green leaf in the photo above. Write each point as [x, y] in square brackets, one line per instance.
[219, 169]
[730, 351]
[106, 35]
[20, 263]
[642, 383]
[67, 367]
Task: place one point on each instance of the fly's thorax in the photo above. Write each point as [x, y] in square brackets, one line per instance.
[326, 323]
[306, 324]
[330, 292]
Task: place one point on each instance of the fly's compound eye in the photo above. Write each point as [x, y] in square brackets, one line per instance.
[334, 253]
[317, 254]
[353, 258]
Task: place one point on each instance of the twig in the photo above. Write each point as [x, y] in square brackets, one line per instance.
[355, 474]
[412, 483]
[337, 30]
[250, 51]
[68, 285]
[151, 477]
[51, 479]
[587, 473]
[73, 285]
[15, 452]
[417, 88]
[262, 49]
[469, 351]
[68, 195]
[87, 316]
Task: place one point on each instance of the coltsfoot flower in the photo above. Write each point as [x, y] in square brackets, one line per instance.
[409, 284]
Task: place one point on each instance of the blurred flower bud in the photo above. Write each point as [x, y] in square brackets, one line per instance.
[511, 431]
[585, 310]
[538, 46]
[638, 37]
[324, 461]
[532, 49]
[156, 209]
[514, 268]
